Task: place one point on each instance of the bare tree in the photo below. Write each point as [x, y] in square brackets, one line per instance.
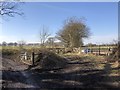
[44, 34]
[51, 41]
[10, 8]
[4, 43]
[21, 44]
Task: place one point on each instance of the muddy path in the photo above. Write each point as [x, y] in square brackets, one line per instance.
[77, 74]
[14, 75]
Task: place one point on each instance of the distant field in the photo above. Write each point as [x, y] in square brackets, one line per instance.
[17, 47]
[29, 47]
[101, 47]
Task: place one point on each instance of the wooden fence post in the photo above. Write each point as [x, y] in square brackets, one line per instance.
[99, 50]
[25, 55]
[32, 58]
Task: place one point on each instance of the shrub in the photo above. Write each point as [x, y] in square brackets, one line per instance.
[10, 53]
[115, 56]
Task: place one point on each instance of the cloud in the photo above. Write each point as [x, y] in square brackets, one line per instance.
[101, 39]
[7, 38]
[14, 38]
[34, 39]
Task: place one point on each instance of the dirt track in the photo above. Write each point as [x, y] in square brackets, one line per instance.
[15, 76]
[78, 74]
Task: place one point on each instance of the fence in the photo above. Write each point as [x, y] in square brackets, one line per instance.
[26, 58]
[30, 58]
[98, 50]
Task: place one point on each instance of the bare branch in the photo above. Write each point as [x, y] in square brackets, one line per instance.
[10, 9]
[44, 34]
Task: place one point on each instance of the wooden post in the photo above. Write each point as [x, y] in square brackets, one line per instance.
[108, 51]
[64, 50]
[90, 48]
[58, 50]
[32, 58]
[99, 50]
[25, 55]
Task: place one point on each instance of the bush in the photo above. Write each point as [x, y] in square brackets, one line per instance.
[115, 56]
[10, 53]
